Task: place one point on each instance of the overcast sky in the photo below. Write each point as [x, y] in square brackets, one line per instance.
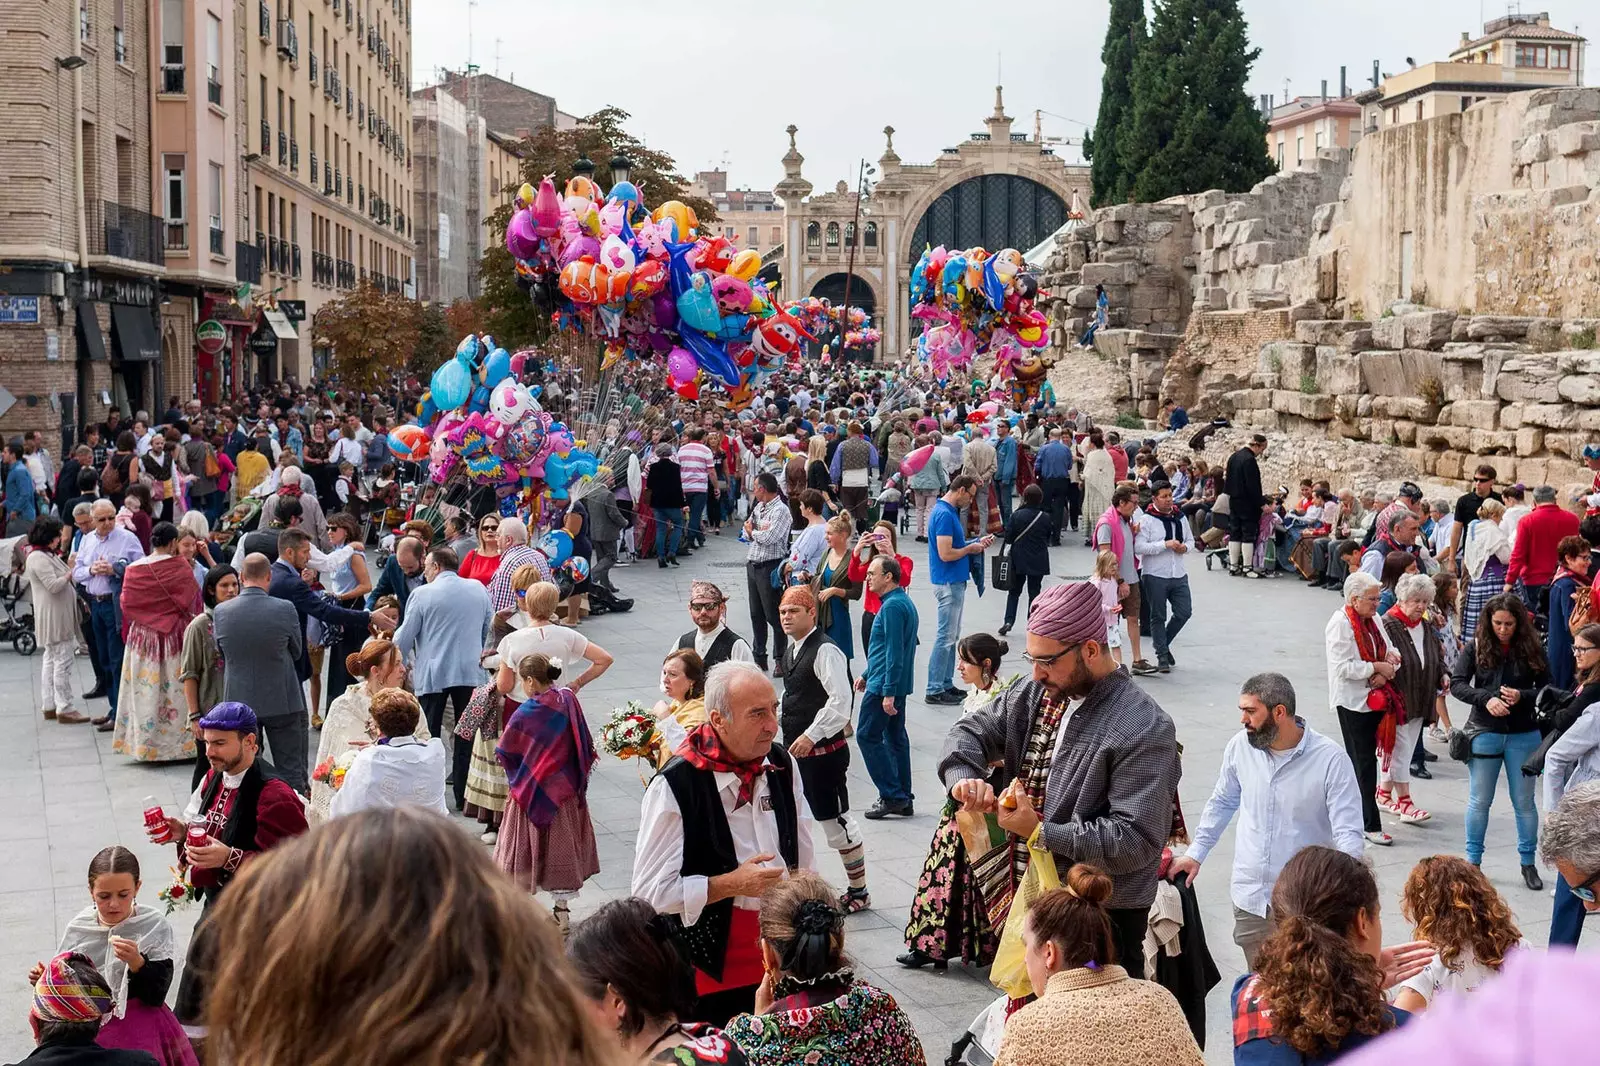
[716, 83]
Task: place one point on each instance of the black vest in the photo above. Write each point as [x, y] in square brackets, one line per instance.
[239, 831]
[721, 649]
[803, 694]
[709, 852]
[264, 541]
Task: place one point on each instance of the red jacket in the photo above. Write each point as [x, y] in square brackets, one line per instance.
[1534, 558]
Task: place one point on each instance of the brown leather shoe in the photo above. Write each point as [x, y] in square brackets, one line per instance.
[106, 727]
[102, 720]
[72, 718]
[50, 714]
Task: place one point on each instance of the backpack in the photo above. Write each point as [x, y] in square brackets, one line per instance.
[1582, 609]
[113, 478]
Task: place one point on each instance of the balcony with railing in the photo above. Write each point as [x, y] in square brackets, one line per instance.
[213, 89]
[315, 171]
[174, 236]
[345, 274]
[283, 149]
[125, 232]
[312, 56]
[363, 197]
[266, 138]
[294, 155]
[247, 262]
[294, 263]
[264, 19]
[338, 182]
[349, 100]
[288, 41]
[216, 239]
[321, 268]
[172, 77]
[327, 181]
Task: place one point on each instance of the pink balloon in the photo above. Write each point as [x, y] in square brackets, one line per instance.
[681, 366]
[916, 460]
[522, 240]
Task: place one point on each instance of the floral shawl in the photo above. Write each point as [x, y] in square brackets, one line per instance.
[546, 752]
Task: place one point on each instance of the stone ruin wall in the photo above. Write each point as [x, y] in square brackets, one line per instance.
[1291, 322]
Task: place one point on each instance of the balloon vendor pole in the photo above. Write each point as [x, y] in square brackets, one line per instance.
[850, 258]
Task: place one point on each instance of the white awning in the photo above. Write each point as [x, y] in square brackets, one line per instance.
[281, 326]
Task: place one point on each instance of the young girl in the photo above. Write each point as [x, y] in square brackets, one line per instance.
[1106, 579]
[547, 840]
[132, 947]
[978, 658]
[1455, 908]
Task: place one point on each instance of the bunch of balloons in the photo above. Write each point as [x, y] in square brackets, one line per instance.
[477, 417]
[650, 284]
[973, 303]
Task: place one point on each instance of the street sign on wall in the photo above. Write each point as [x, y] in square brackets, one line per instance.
[19, 310]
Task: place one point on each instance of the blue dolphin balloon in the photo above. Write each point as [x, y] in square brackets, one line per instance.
[994, 290]
[712, 356]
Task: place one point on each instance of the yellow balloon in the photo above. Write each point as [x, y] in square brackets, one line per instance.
[681, 216]
[525, 193]
[745, 265]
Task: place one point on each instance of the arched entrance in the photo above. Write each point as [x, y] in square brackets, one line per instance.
[832, 288]
[992, 211]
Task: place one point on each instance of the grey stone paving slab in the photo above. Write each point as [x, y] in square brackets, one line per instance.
[65, 795]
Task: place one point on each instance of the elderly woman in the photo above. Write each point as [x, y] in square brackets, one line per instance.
[1486, 555]
[1099, 477]
[201, 666]
[1361, 666]
[401, 769]
[833, 588]
[1419, 681]
[55, 617]
[515, 553]
[1497, 675]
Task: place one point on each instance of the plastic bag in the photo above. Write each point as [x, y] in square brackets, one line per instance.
[1009, 972]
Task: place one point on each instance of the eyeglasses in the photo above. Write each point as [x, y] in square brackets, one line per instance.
[1046, 660]
[1579, 649]
[1585, 891]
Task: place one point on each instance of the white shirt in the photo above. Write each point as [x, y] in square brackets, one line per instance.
[1347, 674]
[192, 812]
[1509, 520]
[834, 673]
[1150, 544]
[658, 859]
[1435, 978]
[349, 450]
[703, 641]
[1439, 542]
[1285, 800]
[405, 772]
[561, 642]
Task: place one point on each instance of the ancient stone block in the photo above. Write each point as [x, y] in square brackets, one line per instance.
[1108, 274]
[1357, 340]
[1480, 414]
[1450, 465]
[1458, 438]
[1405, 432]
[1322, 331]
[1550, 415]
[1492, 441]
[1532, 149]
[1387, 333]
[1381, 373]
[1338, 373]
[1255, 254]
[1589, 419]
[1261, 300]
[1530, 440]
[1322, 218]
[1363, 405]
[1568, 445]
[1428, 329]
[1580, 388]
[1082, 296]
[1311, 405]
[1511, 416]
[1497, 327]
[1289, 359]
[1413, 407]
[1378, 430]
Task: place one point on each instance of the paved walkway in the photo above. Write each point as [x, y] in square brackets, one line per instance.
[65, 795]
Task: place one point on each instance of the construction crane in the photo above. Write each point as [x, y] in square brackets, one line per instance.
[1038, 130]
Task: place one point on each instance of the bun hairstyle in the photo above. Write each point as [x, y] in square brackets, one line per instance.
[1074, 919]
[373, 653]
[1320, 986]
[628, 947]
[983, 651]
[801, 920]
[536, 666]
[113, 860]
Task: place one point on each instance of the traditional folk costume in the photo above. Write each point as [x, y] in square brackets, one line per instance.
[394, 772]
[482, 722]
[703, 816]
[816, 704]
[139, 1019]
[159, 598]
[250, 811]
[349, 718]
[61, 994]
[834, 1021]
[547, 840]
[722, 643]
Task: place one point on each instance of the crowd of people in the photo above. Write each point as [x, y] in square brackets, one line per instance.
[252, 580]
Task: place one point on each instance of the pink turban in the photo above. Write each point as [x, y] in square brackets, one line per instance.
[1069, 613]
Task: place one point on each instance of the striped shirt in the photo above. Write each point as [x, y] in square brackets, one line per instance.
[695, 462]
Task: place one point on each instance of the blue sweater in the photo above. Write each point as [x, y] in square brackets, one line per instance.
[1269, 1051]
[1005, 459]
[891, 659]
[1558, 638]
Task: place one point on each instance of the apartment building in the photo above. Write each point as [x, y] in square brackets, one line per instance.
[81, 247]
[750, 218]
[326, 169]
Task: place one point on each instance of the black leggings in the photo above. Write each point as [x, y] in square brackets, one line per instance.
[1018, 581]
[1360, 729]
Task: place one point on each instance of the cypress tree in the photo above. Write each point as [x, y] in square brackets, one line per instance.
[1194, 127]
[1125, 38]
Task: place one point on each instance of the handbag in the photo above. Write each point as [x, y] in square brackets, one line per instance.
[1001, 574]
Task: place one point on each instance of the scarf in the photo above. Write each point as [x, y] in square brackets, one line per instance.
[704, 750]
[159, 599]
[546, 752]
[1172, 523]
[59, 997]
[1410, 623]
[86, 936]
[1118, 543]
[1000, 870]
[1382, 699]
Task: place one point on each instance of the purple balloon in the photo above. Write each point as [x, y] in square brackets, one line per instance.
[522, 240]
[681, 366]
[665, 309]
[575, 250]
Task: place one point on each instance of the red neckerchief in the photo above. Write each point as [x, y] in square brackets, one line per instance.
[1369, 643]
[290, 490]
[1411, 623]
[704, 750]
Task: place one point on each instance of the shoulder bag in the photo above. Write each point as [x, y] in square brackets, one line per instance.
[1001, 575]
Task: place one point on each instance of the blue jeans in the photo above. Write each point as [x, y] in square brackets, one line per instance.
[730, 501]
[1002, 492]
[665, 517]
[1566, 917]
[697, 510]
[952, 600]
[1513, 750]
[1159, 594]
[885, 747]
[108, 639]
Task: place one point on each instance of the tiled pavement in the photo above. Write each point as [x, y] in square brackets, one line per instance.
[64, 795]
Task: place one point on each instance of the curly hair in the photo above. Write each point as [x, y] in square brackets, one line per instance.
[1320, 986]
[1455, 908]
[1525, 642]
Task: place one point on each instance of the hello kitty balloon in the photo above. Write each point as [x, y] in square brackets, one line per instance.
[510, 403]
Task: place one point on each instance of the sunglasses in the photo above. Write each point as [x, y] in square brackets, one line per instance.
[704, 606]
[1484, 480]
[1046, 660]
[1585, 891]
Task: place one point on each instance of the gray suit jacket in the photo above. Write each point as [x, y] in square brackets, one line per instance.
[1109, 799]
[260, 640]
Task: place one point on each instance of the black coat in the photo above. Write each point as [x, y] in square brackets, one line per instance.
[1030, 551]
[57, 1053]
[665, 481]
[1476, 686]
[1243, 483]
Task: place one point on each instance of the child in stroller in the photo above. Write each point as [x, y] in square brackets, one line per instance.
[13, 587]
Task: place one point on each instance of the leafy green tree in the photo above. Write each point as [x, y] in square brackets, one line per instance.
[508, 312]
[1125, 38]
[1194, 127]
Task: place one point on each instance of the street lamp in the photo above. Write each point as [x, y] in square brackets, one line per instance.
[71, 62]
[621, 165]
[584, 166]
[862, 189]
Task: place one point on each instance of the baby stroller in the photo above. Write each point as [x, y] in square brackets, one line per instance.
[13, 586]
[980, 1044]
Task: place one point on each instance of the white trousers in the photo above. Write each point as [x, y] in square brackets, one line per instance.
[55, 687]
[1405, 742]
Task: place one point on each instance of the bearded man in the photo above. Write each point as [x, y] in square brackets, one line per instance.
[1099, 783]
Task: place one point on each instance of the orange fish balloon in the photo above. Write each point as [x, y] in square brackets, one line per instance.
[584, 281]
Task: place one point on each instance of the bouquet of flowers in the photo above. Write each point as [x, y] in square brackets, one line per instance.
[631, 732]
[331, 771]
[180, 893]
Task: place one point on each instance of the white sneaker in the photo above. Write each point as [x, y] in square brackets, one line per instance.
[490, 837]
